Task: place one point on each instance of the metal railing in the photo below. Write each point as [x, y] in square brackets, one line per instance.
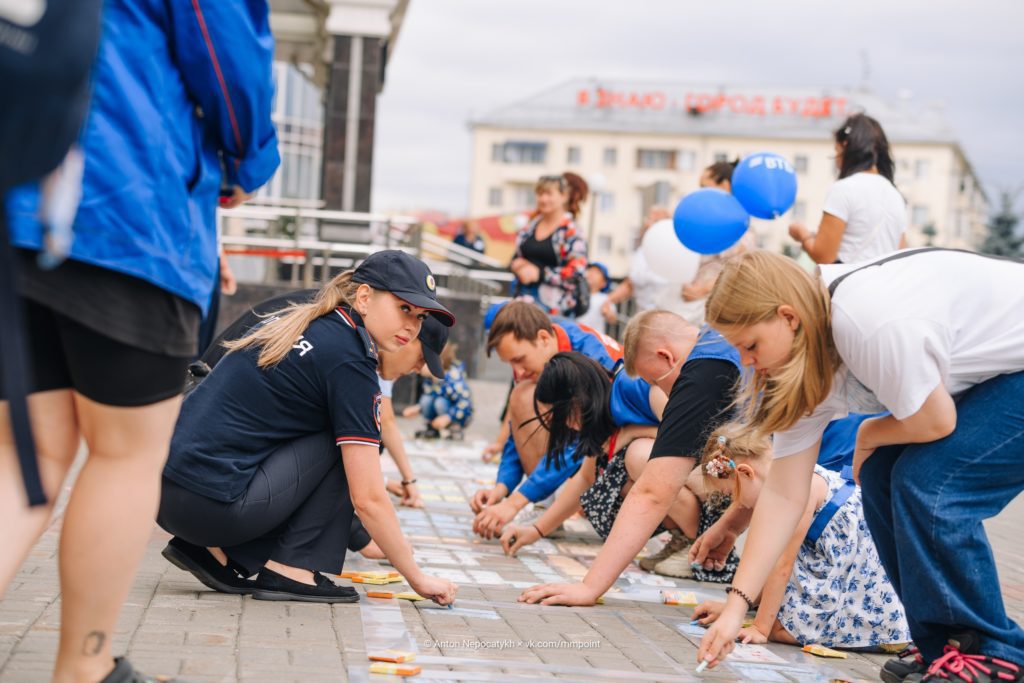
[322, 242]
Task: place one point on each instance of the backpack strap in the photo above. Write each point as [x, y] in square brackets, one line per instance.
[827, 512]
[13, 357]
[904, 254]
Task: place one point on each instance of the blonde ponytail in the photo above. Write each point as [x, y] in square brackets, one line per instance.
[277, 337]
[750, 290]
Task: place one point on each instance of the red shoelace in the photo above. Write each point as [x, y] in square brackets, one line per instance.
[968, 667]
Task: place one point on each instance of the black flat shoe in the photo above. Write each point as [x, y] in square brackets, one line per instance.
[124, 673]
[272, 586]
[198, 561]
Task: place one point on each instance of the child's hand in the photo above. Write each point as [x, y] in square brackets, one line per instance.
[410, 411]
[708, 611]
[516, 536]
[410, 496]
[750, 634]
[484, 498]
[492, 519]
[492, 451]
[711, 548]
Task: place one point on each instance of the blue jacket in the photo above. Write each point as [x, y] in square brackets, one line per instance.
[546, 478]
[177, 83]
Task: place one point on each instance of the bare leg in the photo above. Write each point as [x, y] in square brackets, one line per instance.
[531, 439]
[779, 634]
[106, 527]
[685, 511]
[56, 435]
[294, 573]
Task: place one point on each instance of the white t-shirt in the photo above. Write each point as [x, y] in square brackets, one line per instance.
[386, 386]
[593, 317]
[875, 216]
[648, 286]
[906, 326]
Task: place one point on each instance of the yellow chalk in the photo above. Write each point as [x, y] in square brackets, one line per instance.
[409, 595]
[822, 651]
[394, 669]
[377, 581]
[684, 598]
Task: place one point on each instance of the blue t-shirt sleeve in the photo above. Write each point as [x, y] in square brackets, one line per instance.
[546, 479]
[510, 470]
[631, 401]
[353, 403]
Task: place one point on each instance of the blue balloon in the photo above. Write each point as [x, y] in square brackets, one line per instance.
[709, 221]
[765, 185]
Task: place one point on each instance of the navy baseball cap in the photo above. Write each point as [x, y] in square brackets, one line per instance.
[406, 277]
[433, 336]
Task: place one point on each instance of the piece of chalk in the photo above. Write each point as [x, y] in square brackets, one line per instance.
[695, 622]
[703, 665]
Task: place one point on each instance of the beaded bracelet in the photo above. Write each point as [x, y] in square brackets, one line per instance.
[737, 591]
[408, 483]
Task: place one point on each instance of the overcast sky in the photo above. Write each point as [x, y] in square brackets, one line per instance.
[459, 58]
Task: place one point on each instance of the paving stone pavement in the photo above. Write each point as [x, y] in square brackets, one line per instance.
[173, 625]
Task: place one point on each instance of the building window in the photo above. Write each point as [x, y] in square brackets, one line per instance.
[656, 158]
[800, 163]
[919, 215]
[494, 197]
[604, 244]
[520, 152]
[573, 155]
[687, 160]
[799, 210]
[523, 196]
[921, 168]
[963, 226]
[605, 201]
[610, 156]
[721, 156]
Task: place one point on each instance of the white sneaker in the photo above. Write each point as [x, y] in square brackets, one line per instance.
[676, 564]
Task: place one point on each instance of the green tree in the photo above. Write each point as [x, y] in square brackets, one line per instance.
[929, 232]
[1003, 238]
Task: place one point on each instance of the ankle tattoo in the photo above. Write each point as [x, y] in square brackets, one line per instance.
[93, 643]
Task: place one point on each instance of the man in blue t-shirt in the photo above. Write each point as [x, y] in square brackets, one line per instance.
[526, 338]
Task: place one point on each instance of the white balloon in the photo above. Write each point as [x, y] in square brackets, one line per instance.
[667, 256]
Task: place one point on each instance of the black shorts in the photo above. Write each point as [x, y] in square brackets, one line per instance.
[65, 354]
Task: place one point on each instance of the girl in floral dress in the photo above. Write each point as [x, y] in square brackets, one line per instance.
[829, 586]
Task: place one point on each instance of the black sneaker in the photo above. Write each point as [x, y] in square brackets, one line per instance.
[428, 433]
[198, 561]
[272, 586]
[124, 673]
[908, 662]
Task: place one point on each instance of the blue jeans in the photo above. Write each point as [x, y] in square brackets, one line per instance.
[924, 504]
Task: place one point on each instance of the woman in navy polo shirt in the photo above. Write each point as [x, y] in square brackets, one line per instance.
[254, 483]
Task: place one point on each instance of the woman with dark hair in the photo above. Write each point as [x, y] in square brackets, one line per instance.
[865, 216]
[551, 255]
[609, 425]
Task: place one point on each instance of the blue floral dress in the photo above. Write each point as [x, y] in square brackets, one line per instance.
[838, 594]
